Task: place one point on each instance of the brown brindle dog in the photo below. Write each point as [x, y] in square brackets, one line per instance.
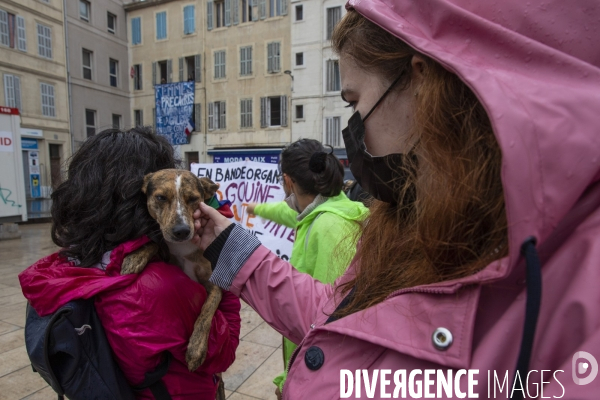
[173, 196]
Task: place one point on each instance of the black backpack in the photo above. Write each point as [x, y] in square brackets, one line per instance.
[69, 349]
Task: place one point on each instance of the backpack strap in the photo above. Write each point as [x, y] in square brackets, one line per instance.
[153, 379]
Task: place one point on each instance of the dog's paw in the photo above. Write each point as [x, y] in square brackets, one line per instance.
[136, 261]
[195, 355]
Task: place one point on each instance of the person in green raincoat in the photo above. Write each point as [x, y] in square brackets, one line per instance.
[325, 220]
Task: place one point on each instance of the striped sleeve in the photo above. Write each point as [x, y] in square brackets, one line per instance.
[238, 247]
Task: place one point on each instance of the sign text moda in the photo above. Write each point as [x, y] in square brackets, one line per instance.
[248, 182]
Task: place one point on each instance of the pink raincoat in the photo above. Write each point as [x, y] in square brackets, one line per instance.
[143, 316]
[534, 64]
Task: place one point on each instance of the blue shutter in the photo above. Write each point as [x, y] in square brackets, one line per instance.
[136, 34]
[228, 12]
[209, 15]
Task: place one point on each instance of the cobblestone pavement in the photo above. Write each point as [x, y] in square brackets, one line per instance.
[258, 357]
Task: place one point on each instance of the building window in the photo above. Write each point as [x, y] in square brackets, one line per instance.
[86, 63]
[273, 58]
[277, 7]
[48, 109]
[273, 111]
[299, 59]
[12, 91]
[299, 16]
[138, 116]
[161, 25]
[44, 34]
[189, 69]
[246, 113]
[137, 77]
[136, 30]
[299, 112]
[216, 116]
[247, 6]
[189, 20]
[333, 76]
[111, 22]
[84, 10]
[246, 61]
[8, 23]
[220, 64]
[333, 134]
[113, 72]
[334, 14]
[220, 13]
[161, 72]
[90, 122]
[116, 121]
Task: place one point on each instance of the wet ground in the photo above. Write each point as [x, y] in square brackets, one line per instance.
[258, 357]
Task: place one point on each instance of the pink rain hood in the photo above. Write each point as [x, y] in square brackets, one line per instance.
[535, 67]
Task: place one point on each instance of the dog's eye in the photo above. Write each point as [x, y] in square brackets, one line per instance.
[160, 198]
[193, 199]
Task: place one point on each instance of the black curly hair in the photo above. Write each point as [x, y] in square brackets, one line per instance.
[101, 204]
[314, 168]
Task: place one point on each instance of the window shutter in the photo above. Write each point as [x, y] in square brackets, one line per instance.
[262, 7]
[139, 77]
[223, 64]
[228, 12]
[153, 73]
[211, 118]
[337, 133]
[198, 69]
[180, 69]
[276, 57]
[249, 60]
[243, 113]
[21, 40]
[17, 89]
[209, 15]
[142, 117]
[254, 13]
[329, 79]
[9, 91]
[243, 61]
[249, 113]
[169, 71]
[263, 112]
[270, 57]
[284, 7]
[4, 36]
[236, 12]
[197, 117]
[284, 111]
[154, 118]
[222, 117]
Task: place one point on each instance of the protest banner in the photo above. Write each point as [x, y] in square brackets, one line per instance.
[174, 111]
[246, 182]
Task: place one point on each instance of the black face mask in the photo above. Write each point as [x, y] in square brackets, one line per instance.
[377, 175]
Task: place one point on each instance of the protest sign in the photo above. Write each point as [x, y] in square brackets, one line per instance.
[174, 111]
[248, 182]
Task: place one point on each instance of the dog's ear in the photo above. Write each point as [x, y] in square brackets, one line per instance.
[146, 184]
[208, 187]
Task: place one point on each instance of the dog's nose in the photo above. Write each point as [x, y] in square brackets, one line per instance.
[181, 232]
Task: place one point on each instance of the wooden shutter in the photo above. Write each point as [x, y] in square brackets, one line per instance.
[211, 119]
[153, 73]
[197, 67]
[228, 12]
[209, 15]
[235, 11]
[283, 110]
[180, 69]
[21, 39]
[263, 112]
[169, 71]
[284, 7]
[222, 116]
[262, 8]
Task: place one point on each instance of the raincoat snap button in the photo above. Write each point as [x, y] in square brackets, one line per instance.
[442, 338]
[312, 326]
[314, 358]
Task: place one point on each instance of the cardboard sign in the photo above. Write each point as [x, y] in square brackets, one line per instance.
[174, 110]
[248, 182]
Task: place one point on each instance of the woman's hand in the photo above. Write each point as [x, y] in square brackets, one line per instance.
[208, 223]
[250, 208]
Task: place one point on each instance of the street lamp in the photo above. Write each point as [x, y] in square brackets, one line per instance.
[291, 113]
